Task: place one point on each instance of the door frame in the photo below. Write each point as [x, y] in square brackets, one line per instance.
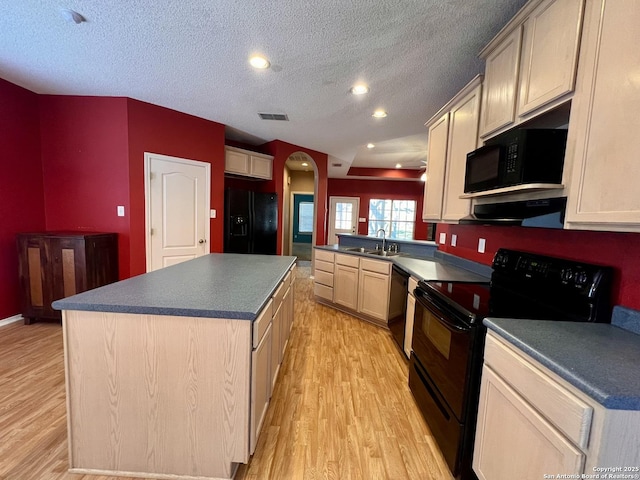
[291, 207]
[147, 194]
[332, 215]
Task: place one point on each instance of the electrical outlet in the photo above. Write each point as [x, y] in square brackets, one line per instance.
[443, 238]
[454, 240]
[212, 213]
[121, 210]
[482, 243]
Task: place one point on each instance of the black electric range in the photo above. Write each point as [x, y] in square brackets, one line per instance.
[448, 334]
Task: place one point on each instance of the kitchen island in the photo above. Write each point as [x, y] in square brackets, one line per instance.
[168, 374]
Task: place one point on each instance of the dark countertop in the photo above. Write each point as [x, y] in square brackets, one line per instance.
[600, 360]
[421, 268]
[215, 286]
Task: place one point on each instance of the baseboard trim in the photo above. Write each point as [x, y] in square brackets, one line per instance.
[14, 319]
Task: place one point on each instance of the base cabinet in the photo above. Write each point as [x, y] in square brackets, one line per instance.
[532, 423]
[345, 281]
[260, 386]
[56, 265]
[373, 297]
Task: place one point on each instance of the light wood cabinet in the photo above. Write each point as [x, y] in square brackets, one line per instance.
[531, 64]
[55, 265]
[541, 423]
[260, 385]
[550, 44]
[247, 163]
[436, 168]
[603, 141]
[410, 316]
[345, 290]
[323, 276]
[451, 137]
[373, 294]
[500, 84]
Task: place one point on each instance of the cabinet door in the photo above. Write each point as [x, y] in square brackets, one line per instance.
[276, 352]
[373, 295]
[463, 138]
[260, 167]
[33, 277]
[550, 44]
[604, 124]
[286, 322]
[500, 83]
[236, 162]
[68, 256]
[260, 386]
[408, 326]
[436, 165]
[513, 438]
[345, 286]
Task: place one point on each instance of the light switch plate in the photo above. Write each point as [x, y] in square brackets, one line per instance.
[121, 210]
[212, 213]
[362, 220]
[454, 240]
[482, 243]
[443, 238]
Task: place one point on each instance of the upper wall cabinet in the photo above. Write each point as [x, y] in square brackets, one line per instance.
[453, 132]
[248, 164]
[531, 64]
[603, 131]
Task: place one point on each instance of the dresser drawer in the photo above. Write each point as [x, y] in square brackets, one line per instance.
[324, 255]
[324, 278]
[554, 401]
[348, 260]
[377, 266]
[323, 291]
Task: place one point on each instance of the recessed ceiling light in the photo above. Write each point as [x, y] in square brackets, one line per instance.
[370, 145]
[398, 165]
[379, 114]
[359, 89]
[304, 164]
[258, 61]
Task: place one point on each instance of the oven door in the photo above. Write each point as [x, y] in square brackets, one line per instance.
[443, 346]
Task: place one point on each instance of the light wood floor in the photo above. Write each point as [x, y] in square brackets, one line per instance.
[341, 408]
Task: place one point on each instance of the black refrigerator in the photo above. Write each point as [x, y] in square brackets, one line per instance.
[251, 222]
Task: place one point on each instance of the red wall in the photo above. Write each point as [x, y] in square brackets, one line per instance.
[156, 129]
[281, 152]
[22, 203]
[619, 250]
[368, 189]
[85, 165]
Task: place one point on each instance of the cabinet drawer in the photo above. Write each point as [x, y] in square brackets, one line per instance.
[261, 323]
[324, 255]
[324, 266]
[323, 291]
[324, 278]
[413, 284]
[287, 278]
[378, 266]
[277, 297]
[348, 260]
[556, 403]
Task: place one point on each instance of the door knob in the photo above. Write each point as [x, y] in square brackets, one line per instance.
[202, 240]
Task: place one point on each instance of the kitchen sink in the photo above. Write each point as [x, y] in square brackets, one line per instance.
[358, 249]
[380, 253]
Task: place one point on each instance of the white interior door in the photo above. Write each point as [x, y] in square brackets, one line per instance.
[177, 209]
[343, 216]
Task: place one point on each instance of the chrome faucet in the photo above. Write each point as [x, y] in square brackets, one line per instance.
[384, 234]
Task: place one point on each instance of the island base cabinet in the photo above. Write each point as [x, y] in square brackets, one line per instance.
[260, 386]
[178, 418]
[514, 441]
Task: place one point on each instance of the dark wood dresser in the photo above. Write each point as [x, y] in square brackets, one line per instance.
[54, 265]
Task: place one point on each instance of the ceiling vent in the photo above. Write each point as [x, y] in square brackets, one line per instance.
[274, 116]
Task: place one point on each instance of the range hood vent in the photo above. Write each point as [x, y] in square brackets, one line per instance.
[545, 213]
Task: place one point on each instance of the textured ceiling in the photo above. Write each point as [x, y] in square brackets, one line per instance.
[191, 56]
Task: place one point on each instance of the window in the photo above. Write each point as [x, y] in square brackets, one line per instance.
[397, 217]
[344, 215]
[305, 217]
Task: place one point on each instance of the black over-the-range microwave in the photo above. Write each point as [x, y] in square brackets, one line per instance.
[516, 157]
